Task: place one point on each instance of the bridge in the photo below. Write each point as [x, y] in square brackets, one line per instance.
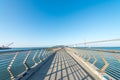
[61, 63]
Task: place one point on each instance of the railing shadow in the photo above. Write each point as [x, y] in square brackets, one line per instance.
[42, 70]
[75, 70]
[56, 65]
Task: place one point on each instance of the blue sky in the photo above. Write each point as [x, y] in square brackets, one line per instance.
[58, 22]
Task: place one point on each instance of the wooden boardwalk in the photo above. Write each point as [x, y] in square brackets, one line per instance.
[61, 66]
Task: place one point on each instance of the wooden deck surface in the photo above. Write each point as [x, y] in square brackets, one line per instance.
[61, 66]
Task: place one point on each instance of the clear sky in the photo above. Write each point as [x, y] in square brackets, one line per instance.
[58, 22]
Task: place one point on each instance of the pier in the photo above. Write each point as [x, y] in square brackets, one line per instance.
[59, 40]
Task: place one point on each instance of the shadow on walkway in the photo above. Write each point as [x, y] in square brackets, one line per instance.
[42, 70]
[61, 66]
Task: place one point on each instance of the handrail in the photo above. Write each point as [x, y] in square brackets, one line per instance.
[11, 51]
[93, 42]
[101, 60]
[17, 63]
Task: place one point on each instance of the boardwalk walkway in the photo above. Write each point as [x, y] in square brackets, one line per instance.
[61, 66]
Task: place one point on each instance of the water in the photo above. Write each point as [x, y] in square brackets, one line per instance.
[106, 48]
[5, 59]
[114, 63]
[18, 49]
[7, 55]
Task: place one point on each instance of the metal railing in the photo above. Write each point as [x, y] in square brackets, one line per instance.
[107, 61]
[104, 61]
[15, 63]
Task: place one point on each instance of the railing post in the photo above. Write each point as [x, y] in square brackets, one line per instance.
[117, 57]
[104, 60]
[44, 54]
[89, 57]
[85, 55]
[35, 63]
[95, 60]
[82, 54]
[10, 65]
[24, 62]
[40, 55]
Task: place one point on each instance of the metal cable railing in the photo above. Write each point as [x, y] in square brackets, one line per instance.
[15, 63]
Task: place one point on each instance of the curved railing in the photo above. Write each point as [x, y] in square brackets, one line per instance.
[105, 61]
[15, 63]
